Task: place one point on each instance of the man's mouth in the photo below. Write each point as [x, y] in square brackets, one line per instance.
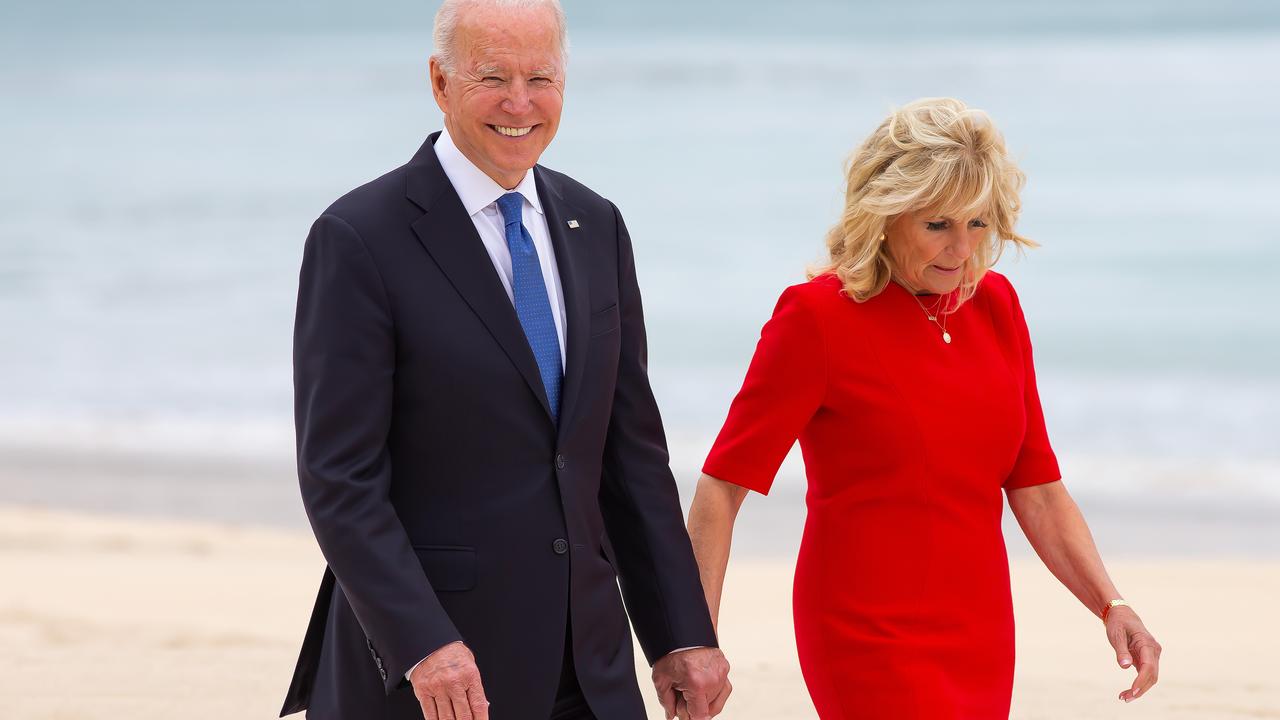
[512, 131]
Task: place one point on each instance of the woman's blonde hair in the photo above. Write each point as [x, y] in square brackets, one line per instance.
[933, 154]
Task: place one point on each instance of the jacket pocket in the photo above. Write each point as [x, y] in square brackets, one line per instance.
[449, 568]
[604, 321]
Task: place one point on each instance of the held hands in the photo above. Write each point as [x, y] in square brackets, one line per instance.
[692, 684]
[1134, 647]
[448, 686]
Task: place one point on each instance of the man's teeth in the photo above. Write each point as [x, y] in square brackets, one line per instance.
[513, 132]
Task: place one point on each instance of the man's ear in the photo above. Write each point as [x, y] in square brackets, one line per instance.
[439, 82]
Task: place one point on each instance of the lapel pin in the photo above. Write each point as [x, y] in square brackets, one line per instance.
[573, 223]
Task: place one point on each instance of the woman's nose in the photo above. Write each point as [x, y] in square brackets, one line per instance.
[963, 243]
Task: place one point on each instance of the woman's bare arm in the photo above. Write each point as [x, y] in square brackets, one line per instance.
[1057, 530]
[711, 517]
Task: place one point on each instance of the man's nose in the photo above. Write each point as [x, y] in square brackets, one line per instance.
[517, 101]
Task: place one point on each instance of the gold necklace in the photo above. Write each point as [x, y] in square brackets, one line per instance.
[933, 316]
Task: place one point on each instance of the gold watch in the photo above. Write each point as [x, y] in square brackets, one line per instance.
[1106, 610]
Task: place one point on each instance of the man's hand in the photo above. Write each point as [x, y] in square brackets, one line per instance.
[447, 684]
[692, 684]
[1134, 646]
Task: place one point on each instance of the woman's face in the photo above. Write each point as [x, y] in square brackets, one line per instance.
[930, 252]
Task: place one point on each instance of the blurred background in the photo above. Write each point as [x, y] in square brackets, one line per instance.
[162, 160]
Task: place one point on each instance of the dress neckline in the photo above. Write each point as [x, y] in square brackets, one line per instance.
[922, 297]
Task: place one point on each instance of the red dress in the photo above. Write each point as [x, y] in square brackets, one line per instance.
[901, 598]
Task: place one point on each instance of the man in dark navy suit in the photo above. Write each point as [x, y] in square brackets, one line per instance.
[479, 450]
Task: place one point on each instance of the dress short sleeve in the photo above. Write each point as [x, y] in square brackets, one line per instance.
[784, 387]
[1036, 464]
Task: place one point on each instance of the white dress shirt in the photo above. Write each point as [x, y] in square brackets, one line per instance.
[479, 194]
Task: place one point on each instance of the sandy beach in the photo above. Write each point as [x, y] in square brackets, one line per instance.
[115, 617]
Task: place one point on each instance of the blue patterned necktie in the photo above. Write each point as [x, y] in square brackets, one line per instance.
[529, 293]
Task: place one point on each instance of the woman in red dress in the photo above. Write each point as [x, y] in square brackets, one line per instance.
[904, 369]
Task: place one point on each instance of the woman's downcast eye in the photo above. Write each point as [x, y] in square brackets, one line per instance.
[944, 224]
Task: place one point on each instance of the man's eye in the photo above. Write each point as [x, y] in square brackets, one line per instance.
[540, 81]
[492, 79]
[977, 224]
[936, 226]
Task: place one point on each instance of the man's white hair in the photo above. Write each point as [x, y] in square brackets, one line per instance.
[450, 12]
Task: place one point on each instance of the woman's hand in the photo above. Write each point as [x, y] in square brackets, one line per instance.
[1134, 645]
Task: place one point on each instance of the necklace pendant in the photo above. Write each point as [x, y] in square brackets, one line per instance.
[946, 337]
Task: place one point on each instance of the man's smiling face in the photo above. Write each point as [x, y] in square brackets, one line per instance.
[502, 101]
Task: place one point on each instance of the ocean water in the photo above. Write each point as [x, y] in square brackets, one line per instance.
[163, 161]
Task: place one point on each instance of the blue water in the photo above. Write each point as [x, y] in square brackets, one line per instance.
[162, 163]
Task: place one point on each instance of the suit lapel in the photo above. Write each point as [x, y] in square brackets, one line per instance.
[574, 281]
[450, 237]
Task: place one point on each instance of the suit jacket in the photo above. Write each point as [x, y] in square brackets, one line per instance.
[447, 503]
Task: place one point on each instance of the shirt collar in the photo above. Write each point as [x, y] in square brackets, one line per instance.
[477, 190]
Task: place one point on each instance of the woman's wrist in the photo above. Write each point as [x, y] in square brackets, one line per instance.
[1111, 605]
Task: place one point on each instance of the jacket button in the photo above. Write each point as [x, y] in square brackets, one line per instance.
[560, 461]
[560, 546]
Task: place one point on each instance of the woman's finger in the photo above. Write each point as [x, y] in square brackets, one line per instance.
[1148, 670]
[1118, 636]
[1140, 684]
